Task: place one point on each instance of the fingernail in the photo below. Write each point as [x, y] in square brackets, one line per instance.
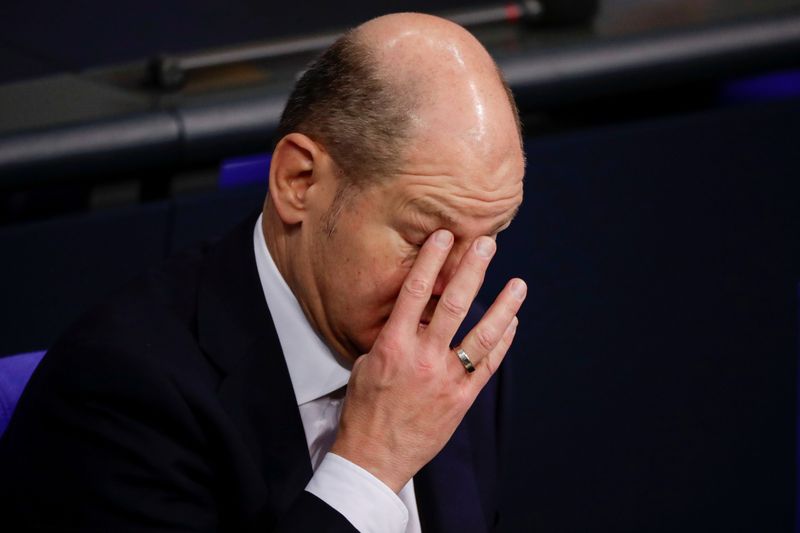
[513, 325]
[484, 247]
[443, 238]
[519, 289]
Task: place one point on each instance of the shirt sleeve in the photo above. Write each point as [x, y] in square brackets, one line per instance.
[367, 503]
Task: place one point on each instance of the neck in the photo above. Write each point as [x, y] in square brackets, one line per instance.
[275, 238]
[282, 242]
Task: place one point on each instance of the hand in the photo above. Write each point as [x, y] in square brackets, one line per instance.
[406, 396]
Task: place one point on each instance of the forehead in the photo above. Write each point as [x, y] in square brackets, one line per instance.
[459, 195]
[458, 174]
[427, 214]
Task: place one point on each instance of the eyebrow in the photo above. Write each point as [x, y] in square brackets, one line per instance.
[426, 207]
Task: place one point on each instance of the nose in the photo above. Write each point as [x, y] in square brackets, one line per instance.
[450, 266]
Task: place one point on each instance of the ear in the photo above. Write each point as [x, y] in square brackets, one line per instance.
[291, 174]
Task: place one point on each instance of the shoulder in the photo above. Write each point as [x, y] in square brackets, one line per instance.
[139, 347]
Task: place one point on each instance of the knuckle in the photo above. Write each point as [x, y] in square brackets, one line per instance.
[453, 306]
[416, 287]
[464, 399]
[390, 344]
[424, 369]
[485, 338]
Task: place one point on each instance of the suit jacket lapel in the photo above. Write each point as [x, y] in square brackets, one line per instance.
[236, 332]
[447, 492]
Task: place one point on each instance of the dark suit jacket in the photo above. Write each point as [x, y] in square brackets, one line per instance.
[170, 409]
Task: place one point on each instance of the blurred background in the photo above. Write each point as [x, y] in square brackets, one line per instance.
[655, 372]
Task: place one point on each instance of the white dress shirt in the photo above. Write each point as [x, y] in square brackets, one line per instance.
[318, 379]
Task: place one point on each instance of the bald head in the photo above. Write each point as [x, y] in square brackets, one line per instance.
[389, 84]
[427, 50]
[404, 126]
[455, 83]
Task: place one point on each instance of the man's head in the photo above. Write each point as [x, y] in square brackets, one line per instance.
[404, 126]
[345, 102]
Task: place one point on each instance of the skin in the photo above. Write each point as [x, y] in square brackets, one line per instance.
[389, 288]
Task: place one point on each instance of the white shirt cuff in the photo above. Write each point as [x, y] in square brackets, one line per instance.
[367, 503]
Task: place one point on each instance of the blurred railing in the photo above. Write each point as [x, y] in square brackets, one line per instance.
[154, 129]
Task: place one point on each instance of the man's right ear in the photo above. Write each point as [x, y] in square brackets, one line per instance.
[291, 173]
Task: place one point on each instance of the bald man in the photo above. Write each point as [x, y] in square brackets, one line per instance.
[307, 372]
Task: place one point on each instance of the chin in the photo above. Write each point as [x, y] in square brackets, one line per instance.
[365, 341]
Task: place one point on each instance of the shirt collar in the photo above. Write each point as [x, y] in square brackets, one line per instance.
[314, 370]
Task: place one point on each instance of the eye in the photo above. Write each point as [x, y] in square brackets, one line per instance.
[414, 236]
[411, 251]
[416, 241]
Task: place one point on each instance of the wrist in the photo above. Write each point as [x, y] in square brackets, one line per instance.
[376, 460]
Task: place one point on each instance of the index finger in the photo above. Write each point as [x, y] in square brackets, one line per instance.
[457, 297]
[415, 292]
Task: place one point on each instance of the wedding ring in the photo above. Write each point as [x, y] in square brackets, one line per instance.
[465, 360]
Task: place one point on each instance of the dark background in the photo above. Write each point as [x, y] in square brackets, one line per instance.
[44, 36]
[655, 366]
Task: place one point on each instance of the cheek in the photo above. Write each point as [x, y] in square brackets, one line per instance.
[370, 274]
[380, 283]
[370, 296]
[386, 277]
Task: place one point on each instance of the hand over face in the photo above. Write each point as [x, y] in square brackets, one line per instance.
[406, 396]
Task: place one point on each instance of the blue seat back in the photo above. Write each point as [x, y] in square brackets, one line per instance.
[15, 371]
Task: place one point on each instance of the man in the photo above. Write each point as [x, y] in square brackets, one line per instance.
[207, 397]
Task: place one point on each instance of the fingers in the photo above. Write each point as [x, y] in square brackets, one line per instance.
[492, 361]
[460, 291]
[489, 335]
[416, 290]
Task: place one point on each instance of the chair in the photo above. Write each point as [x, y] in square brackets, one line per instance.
[15, 371]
